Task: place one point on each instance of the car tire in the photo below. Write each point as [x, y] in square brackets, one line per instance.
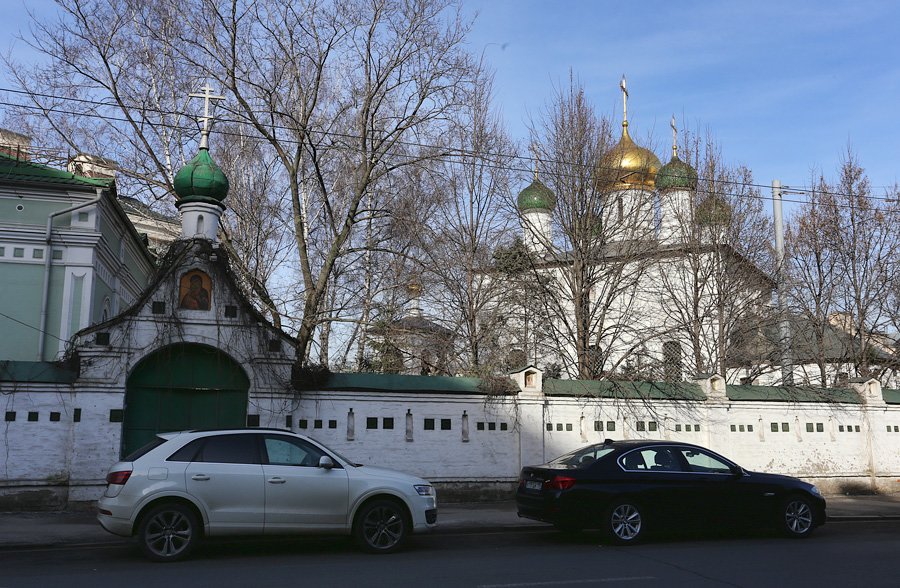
[624, 523]
[381, 526]
[795, 517]
[168, 532]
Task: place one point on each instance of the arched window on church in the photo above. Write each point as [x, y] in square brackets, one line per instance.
[199, 225]
[672, 361]
[107, 310]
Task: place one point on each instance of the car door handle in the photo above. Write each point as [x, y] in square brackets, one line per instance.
[200, 477]
[276, 480]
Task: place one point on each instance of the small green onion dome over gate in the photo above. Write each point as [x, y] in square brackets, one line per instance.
[201, 180]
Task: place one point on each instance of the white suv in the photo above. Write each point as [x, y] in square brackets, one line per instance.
[186, 485]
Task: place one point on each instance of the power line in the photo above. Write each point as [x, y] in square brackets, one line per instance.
[15, 320]
[446, 151]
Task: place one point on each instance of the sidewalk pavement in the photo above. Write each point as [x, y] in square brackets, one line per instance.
[60, 529]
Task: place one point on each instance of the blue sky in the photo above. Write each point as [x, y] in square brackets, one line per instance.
[784, 87]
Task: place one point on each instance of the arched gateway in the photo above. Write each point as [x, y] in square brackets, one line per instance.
[183, 386]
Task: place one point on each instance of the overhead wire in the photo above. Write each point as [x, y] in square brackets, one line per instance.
[447, 152]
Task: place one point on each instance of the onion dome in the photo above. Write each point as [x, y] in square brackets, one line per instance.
[713, 210]
[628, 165]
[676, 175]
[536, 196]
[201, 180]
[414, 288]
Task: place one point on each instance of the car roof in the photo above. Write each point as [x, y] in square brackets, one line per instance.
[634, 443]
[231, 430]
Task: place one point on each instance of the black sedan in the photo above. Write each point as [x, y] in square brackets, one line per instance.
[629, 488]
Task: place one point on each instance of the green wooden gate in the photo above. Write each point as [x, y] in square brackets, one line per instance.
[183, 386]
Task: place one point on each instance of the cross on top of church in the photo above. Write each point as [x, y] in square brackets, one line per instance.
[674, 137]
[207, 95]
[624, 88]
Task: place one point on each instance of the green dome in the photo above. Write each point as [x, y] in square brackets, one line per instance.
[713, 210]
[201, 180]
[676, 175]
[537, 196]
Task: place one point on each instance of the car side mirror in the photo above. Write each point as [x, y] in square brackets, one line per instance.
[326, 462]
[738, 472]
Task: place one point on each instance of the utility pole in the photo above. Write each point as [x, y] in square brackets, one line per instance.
[784, 339]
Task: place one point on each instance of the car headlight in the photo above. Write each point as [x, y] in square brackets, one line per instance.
[815, 491]
[424, 490]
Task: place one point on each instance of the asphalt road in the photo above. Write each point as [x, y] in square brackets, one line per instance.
[847, 554]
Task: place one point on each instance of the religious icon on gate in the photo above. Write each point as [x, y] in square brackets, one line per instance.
[195, 290]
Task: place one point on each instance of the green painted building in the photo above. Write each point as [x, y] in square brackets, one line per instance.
[69, 256]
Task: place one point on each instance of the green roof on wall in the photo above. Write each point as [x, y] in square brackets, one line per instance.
[624, 389]
[401, 383]
[792, 394]
[890, 396]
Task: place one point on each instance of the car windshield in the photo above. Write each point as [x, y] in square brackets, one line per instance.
[582, 457]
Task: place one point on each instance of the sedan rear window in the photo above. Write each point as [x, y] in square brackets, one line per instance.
[583, 457]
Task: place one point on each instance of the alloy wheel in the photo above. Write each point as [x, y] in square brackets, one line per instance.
[626, 522]
[382, 527]
[168, 533]
[798, 517]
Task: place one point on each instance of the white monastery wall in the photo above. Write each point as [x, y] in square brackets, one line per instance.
[469, 442]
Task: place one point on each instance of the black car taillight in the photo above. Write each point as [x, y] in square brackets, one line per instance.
[118, 477]
[561, 483]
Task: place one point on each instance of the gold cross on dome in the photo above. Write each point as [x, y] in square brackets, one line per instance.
[624, 88]
[674, 138]
[207, 96]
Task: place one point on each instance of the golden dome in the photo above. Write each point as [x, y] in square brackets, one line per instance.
[628, 165]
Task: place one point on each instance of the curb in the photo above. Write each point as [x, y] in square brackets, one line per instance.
[446, 529]
[852, 518]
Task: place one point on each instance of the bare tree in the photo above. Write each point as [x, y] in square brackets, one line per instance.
[342, 95]
[117, 83]
[713, 284]
[111, 86]
[813, 273]
[345, 93]
[253, 231]
[588, 275]
[843, 261]
[470, 219]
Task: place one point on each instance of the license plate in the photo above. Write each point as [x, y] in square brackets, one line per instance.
[533, 484]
